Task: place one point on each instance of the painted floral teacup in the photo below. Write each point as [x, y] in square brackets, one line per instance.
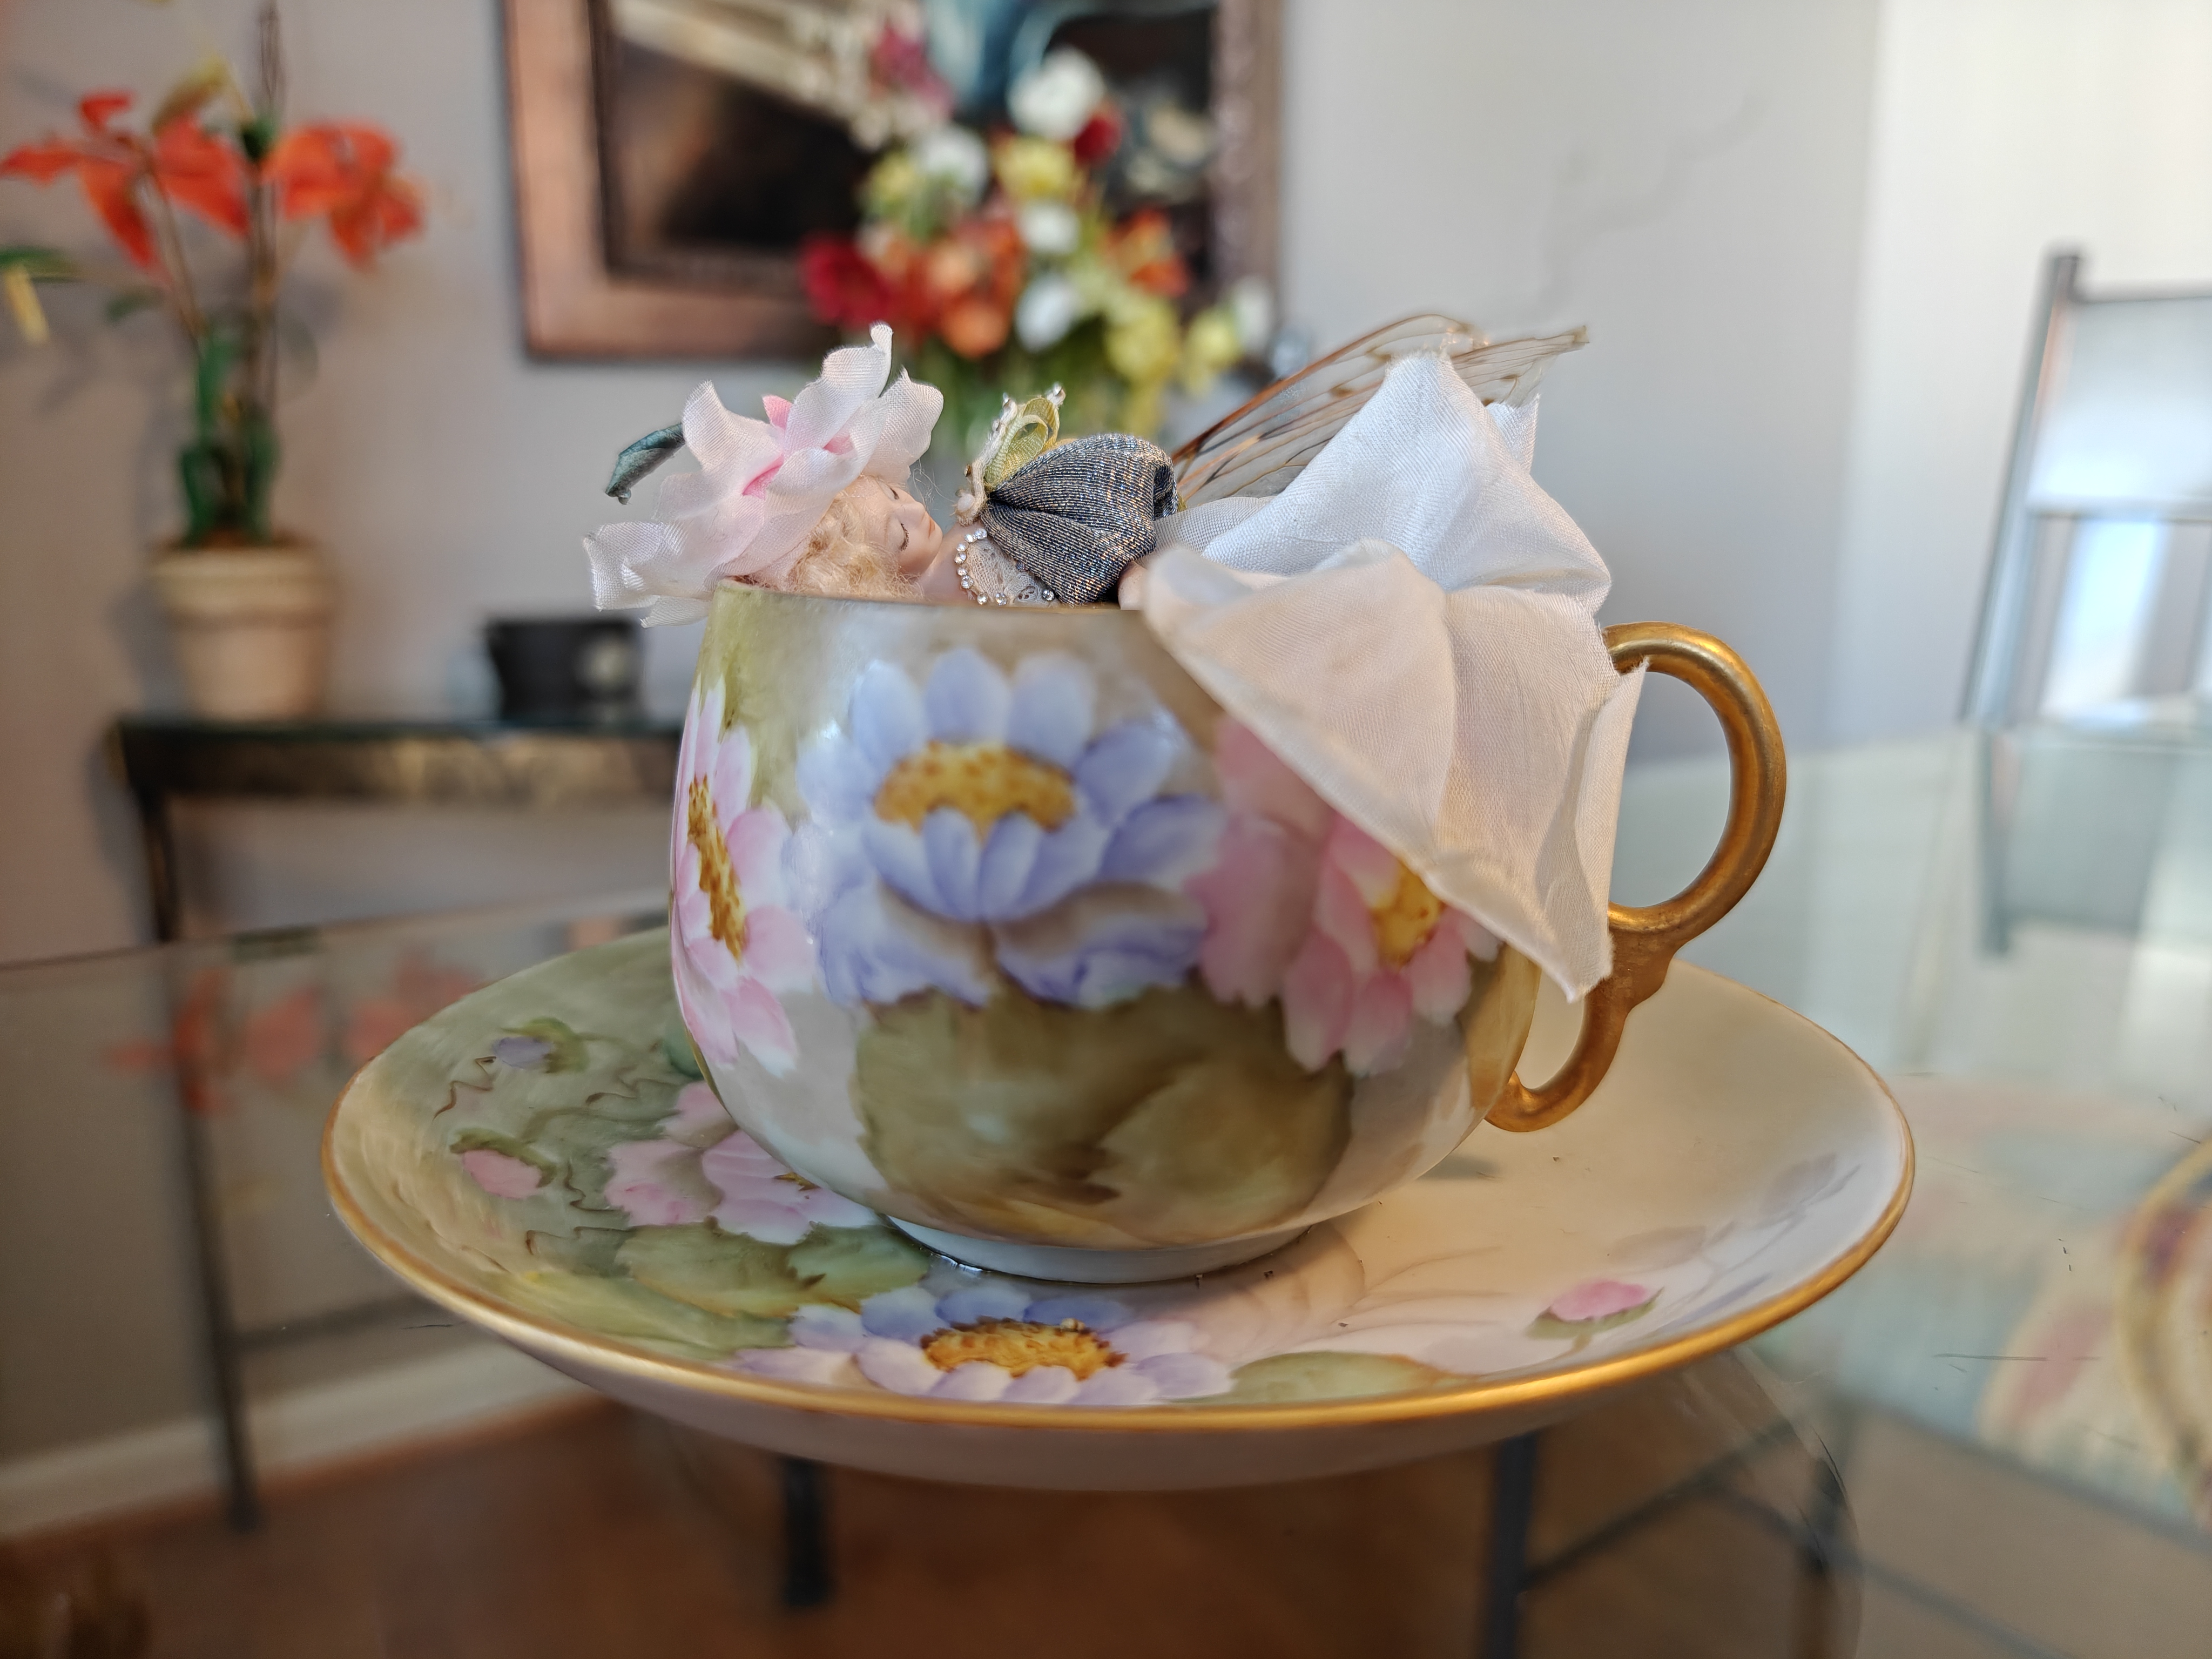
[995, 922]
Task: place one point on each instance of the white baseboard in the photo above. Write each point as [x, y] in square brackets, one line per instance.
[472, 1388]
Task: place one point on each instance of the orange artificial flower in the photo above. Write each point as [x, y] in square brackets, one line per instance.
[189, 165]
[986, 249]
[1143, 248]
[195, 169]
[975, 327]
[94, 107]
[108, 167]
[344, 169]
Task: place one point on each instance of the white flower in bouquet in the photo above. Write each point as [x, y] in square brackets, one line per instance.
[954, 156]
[1055, 98]
[1252, 303]
[1050, 229]
[1049, 307]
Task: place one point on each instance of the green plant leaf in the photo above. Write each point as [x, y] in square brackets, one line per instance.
[130, 301]
[218, 352]
[200, 475]
[256, 136]
[40, 265]
[259, 459]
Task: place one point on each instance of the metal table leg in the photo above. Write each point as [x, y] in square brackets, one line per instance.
[218, 1330]
[1512, 1501]
[807, 1581]
[241, 1494]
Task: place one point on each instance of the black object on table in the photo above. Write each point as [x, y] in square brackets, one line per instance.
[162, 759]
[566, 668]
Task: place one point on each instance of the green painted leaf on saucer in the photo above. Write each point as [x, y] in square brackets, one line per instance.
[847, 1264]
[624, 1309]
[730, 1275]
[1292, 1377]
[568, 1049]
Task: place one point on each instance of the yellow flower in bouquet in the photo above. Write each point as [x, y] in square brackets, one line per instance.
[1144, 346]
[1212, 345]
[1036, 169]
[1143, 338]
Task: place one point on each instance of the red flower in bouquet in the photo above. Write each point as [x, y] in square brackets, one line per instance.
[1100, 137]
[845, 288]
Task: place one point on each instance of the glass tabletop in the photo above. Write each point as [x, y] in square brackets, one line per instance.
[1993, 1441]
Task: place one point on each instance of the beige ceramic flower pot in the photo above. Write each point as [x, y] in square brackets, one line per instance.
[253, 630]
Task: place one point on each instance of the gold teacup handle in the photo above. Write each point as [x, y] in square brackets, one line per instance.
[1645, 937]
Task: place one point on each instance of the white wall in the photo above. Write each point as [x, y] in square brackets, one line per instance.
[448, 477]
[2001, 129]
[1687, 180]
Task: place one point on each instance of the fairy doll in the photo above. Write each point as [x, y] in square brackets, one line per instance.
[814, 499]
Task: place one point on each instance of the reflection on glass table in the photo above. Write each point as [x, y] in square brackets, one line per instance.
[1988, 1443]
[2014, 1391]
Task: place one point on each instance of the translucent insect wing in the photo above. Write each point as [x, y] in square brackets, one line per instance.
[1258, 449]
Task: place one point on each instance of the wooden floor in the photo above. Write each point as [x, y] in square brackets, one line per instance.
[603, 1535]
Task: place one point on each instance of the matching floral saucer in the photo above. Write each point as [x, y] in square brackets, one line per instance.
[543, 1158]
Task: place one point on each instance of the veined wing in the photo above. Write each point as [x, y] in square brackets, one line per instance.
[1260, 448]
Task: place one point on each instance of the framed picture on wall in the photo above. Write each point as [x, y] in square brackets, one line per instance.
[670, 155]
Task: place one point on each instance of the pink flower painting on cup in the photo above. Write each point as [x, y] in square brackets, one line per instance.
[1305, 905]
[734, 940]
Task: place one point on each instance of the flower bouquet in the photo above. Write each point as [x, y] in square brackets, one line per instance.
[250, 604]
[999, 265]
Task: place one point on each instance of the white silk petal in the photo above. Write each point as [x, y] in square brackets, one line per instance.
[910, 412]
[724, 443]
[851, 377]
[616, 553]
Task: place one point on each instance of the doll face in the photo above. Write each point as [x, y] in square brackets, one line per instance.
[898, 524]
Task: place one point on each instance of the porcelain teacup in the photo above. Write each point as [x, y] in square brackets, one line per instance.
[993, 920]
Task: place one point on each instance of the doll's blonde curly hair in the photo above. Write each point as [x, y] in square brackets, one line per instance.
[842, 556]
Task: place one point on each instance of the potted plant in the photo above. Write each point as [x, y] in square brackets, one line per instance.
[248, 605]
